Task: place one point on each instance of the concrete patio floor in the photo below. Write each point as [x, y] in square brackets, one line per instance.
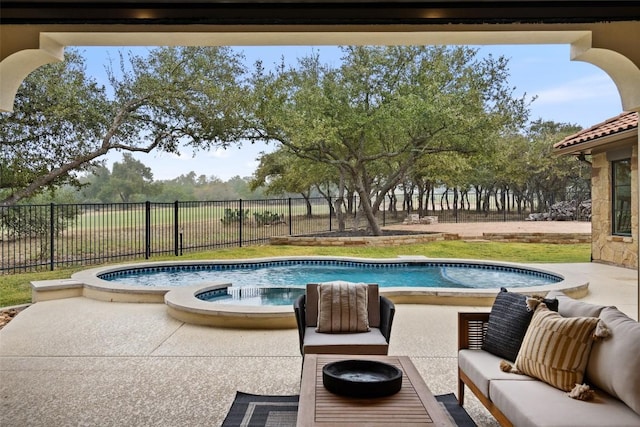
[83, 362]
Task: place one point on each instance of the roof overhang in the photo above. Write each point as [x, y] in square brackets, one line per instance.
[313, 12]
[604, 143]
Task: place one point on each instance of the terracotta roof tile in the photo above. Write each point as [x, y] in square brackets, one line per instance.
[625, 121]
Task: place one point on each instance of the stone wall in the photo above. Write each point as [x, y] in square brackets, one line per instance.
[555, 238]
[361, 241]
[605, 247]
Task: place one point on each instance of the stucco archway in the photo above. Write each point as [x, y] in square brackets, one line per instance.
[623, 70]
[602, 34]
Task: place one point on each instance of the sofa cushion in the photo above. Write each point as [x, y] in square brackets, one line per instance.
[483, 367]
[342, 307]
[569, 307]
[372, 342]
[508, 322]
[614, 364]
[556, 349]
[536, 404]
[311, 304]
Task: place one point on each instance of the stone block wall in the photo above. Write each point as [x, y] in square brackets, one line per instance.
[555, 238]
[605, 247]
[361, 241]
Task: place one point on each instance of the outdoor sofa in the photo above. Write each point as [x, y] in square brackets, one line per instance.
[611, 370]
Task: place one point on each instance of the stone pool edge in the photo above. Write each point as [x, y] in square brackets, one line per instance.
[183, 305]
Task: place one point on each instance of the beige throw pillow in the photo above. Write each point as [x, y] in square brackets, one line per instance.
[342, 307]
[556, 349]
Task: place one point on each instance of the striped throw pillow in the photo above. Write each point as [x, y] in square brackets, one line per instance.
[556, 349]
[342, 307]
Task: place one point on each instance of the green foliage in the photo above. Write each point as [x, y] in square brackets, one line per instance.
[384, 118]
[63, 121]
[267, 218]
[283, 172]
[234, 216]
[24, 223]
[131, 177]
[372, 118]
[33, 222]
[132, 181]
[59, 113]
[547, 175]
[516, 165]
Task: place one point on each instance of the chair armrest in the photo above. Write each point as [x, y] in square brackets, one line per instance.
[472, 328]
[387, 311]
[299, 308]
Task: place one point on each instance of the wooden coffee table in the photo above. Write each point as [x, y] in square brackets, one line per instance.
[413, 405]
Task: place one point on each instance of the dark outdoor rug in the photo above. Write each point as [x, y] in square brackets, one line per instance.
[456, 412]
[250, 410]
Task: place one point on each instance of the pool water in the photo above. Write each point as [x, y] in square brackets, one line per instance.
[253, 296]
[300, 272]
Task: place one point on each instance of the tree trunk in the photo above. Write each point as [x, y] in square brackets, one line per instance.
[421, 201]
[337, 207]
[356, 219]
[307, 202]
[393, 203]
[339, 204]
[367, 209]
[455, 198]
[433, 199]
[445, 198]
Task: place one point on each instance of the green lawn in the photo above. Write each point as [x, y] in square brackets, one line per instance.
[15, 288]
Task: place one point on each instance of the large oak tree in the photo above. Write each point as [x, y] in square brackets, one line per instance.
[382, 109]
[64, 121]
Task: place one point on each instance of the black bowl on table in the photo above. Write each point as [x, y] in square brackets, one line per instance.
[361, 378]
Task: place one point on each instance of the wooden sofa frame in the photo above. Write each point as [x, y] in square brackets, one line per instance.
[471, 331]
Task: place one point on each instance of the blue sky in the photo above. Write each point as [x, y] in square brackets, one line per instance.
[567, 91]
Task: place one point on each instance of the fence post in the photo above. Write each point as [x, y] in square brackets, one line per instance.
[290, 217]
[51, 236]
[330, 214]
[147, 230]
[176, 229]
[241, 221]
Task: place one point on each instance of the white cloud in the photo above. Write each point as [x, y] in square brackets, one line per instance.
[220, 153]
[173, 156]
[588, 88]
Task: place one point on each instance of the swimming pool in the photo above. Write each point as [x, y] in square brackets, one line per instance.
[187, 301]
[299, 272]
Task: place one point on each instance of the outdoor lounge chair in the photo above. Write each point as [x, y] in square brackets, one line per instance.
[380, 312]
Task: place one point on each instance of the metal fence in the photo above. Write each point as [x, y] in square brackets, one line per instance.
[38, 237]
